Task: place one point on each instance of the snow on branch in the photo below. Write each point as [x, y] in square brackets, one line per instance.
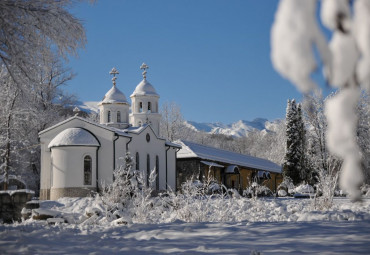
[346, 63]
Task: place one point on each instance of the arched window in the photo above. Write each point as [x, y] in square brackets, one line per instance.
[141, 107]
[137, 161]
[157, 172]
[149, 106]
[109, 117]
[118, 116]
[147, 169]
[87, 170]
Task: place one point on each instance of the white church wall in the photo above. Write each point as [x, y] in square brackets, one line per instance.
[120, 150]
[171, 174]
[155, 147]
[68, 166]
[105, 152]
[45, 181]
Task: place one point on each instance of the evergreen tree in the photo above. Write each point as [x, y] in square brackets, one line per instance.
[294, 162]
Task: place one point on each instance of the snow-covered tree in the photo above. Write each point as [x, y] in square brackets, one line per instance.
[294, 161]
[363, 134]
[31, 30]
[172, 125]
[26, 109]
[295, 35]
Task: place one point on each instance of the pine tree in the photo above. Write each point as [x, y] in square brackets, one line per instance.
[294, 162]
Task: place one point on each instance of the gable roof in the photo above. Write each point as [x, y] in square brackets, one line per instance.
[115, 130]
[194, 150]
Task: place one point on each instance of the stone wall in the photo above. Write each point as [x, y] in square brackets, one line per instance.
[12, 203]
[56, 193]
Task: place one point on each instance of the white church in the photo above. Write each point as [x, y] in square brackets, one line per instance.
[78, 155]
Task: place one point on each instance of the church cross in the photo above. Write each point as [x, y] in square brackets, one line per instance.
[144, 67]
[114, 72]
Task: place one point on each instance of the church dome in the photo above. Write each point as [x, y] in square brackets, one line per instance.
[114, 95]
[74, 137]
[144, 88]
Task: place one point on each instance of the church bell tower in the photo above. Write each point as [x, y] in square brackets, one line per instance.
[144, 101]
[114, 108]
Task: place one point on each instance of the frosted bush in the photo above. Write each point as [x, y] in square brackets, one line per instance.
[325, 189]
[304, 189]
[256, 190]
[287, 185]
[282, 193]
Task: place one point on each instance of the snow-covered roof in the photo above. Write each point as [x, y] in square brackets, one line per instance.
[74, 137]
[112, 129]
[168, 143]
[232, 169]
[208, 163]
[144, 88]
[114, 95]
[194, 150]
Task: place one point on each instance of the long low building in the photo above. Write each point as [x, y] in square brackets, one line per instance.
[234, 170]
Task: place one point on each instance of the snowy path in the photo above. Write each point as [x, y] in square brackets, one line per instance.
[189, 238]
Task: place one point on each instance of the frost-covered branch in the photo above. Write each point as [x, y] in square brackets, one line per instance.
[346, 62]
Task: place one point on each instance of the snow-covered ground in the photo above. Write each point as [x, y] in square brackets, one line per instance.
[268, 226]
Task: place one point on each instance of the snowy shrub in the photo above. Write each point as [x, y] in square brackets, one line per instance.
[282, 193]
[128, 197]
[304, 189]
[287, 185]
[325, 189]
[256, 190]
[365, 190]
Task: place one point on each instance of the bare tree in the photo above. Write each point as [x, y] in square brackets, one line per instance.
[172, 126]
[31, 30]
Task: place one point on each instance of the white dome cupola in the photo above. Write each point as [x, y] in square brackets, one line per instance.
[114, 108]
[144, 101]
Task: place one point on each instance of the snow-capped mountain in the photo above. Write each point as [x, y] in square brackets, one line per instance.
[88, 106]
[238, 129]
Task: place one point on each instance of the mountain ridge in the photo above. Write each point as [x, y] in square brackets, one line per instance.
[240, 128]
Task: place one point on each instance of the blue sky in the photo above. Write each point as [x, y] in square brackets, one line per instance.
[211, 57]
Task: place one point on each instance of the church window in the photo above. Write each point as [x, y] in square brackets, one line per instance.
[149, 106]
[157, 172]
[147, 137]
[87, 170]
[118, 116]
[147, 169]
[137, 161]
[109, 117]
[141, 107]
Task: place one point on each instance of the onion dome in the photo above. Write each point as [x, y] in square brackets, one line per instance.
[144, 88]
[114, 95]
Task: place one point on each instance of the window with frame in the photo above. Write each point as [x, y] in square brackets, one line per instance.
[109, 117]
[137, 161]
[87, 170]
[147, 169]
[157, 172]
[118, 116]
